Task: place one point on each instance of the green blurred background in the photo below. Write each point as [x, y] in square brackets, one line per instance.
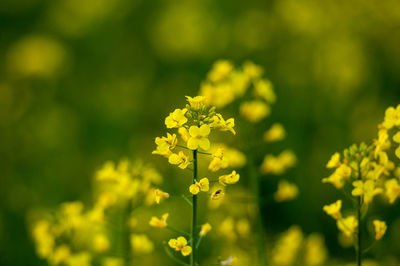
[82, 82]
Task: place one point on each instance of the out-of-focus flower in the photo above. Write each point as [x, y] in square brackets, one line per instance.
[254, 111]
[141, 244]
[286, 191]
[380, 229]
[160, 223]
[334, 209]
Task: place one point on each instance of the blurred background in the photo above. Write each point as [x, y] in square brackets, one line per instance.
[82, 82]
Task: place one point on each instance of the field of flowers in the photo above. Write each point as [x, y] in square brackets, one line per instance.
[200, 133]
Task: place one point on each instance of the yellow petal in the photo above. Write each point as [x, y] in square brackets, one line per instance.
[186, 250]
[194, 131]
[204, 130]
[204, 143]
[193, 143]
[194, 189]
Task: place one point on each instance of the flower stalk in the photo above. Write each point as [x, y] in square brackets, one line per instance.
[193, 258]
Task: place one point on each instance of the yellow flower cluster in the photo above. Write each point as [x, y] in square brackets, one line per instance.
[368, 171]
[194, 124]
[78, 235]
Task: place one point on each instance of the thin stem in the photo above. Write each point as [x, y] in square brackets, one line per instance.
[183, 147]
[193, 257]
[202, 152]
[178, 231]
[255, 181]
[187, 200]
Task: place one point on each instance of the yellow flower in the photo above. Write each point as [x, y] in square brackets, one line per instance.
[180, 244]
[112, 261]
[337, 179]
[278, 165]
[229, 179]
[392, 190]
[366, 189]
[263, 88]
[141, 244]
[220, 70]
[380, 229]
[202, 185]
[101, 243]
[396, 138]
[392, 117]
[160, 223]
[159, 194]
[254, 111]
[197, 102]
[60, 255]
[184, 134]
[382, 143]
[165, 145]
[287, 247]
[176, 119]
[315, 252]
[286, 191]
[205, 228]
[334, 209]
[44, 239]
[218, 122]
[198, 137]
[347, 225]
[81, 259]
[180, 159]
[218, 161]
[252, 70]
[334, 162]
[275, 133]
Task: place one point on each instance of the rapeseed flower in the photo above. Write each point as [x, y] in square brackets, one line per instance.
[199, 137]
[176, 119]
[205, 228]
[180, 244]
[179, 159]
[229, 179]
[159, 194]
[380, 229]
[160, 223]
[202, 185]
[366, 189]
[334, 209]
[286, 191]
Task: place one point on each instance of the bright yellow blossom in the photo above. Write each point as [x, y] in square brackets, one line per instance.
[112, 261]
[160, 223]
[176, 119]
[315, 252]
[218, 122]
[278, 164]
[396, 138]
[254, 111]
[275, 133]
[202, 185]
[205, 228]
[380, 229]
[217, 194]
[229, 179]
[334, 209]
[198, 137]
[286, 191]
[392, 117]
[263, 88]
[366, 189]
[60, 255]
[382, 143]
[165, 145]
[334, 162]
[252, 70]
[141, 244]
[184, 134]
[347, 225]
[392, 190]
[197, 102]
[101, 243]
[180, 244]
[337, 179]
[220, 70]
[218, 160]
[180, 159]
[81, 259]
[159, 194]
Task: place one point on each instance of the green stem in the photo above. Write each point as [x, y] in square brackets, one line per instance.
[173, 229]
[255, 181]
[193, 257]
